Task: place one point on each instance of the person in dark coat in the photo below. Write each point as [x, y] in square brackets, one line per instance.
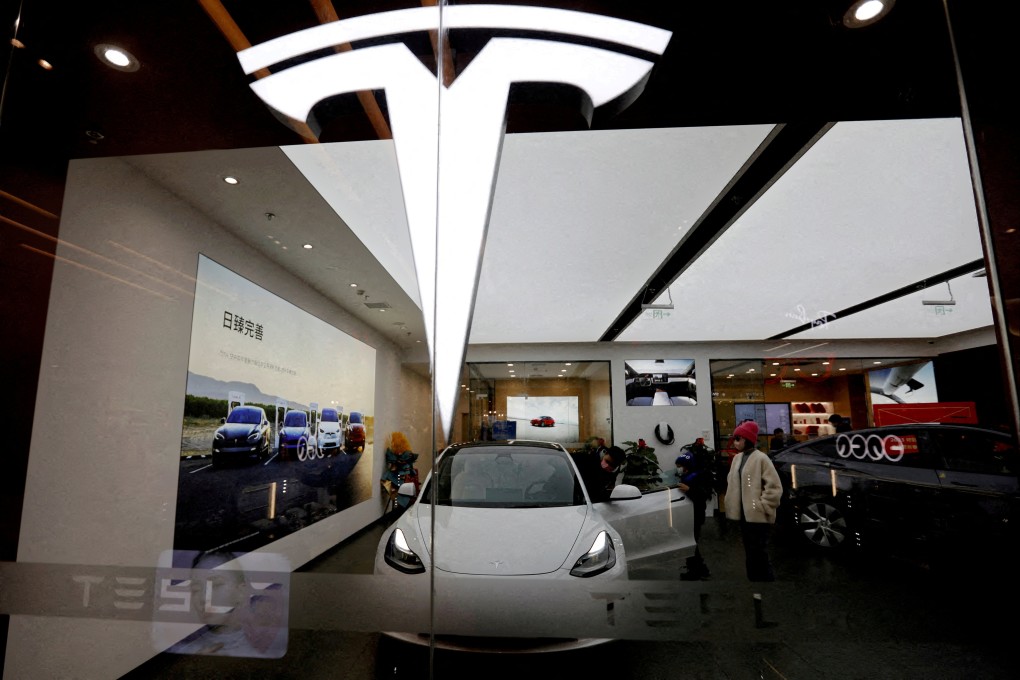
[696, 482]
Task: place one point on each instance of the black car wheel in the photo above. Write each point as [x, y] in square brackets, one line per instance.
[824, 525]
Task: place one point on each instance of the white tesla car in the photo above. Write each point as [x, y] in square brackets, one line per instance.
[523, 558]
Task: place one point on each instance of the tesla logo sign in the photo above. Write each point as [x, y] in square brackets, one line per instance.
[457, 128]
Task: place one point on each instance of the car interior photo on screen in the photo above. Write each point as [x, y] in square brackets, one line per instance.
[495, 339]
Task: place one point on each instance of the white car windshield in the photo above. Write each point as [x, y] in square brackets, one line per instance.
[505, 477]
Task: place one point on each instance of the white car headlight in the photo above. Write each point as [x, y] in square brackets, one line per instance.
[599, 558]
[400, 556]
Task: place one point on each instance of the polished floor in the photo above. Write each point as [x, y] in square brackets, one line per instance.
[826, 616]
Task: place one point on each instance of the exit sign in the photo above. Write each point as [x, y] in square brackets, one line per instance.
[787, 383]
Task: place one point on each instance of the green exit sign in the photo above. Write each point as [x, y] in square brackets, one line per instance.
[787, 383]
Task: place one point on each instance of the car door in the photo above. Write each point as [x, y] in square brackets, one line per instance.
[892, 481]
[658, 524]
[980, 500]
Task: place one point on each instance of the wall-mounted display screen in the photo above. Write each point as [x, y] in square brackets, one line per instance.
[911, 384]
[278, 418]
[551, 419]
[660, 382]
[768, 416]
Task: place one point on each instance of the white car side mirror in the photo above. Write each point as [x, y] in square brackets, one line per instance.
[623, 492]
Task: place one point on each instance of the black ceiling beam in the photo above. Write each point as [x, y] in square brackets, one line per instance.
[949, 275]
[780, 150]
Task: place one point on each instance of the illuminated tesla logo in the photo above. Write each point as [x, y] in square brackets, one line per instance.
[457, 128]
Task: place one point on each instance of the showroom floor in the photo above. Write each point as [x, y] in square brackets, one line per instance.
[824, 618]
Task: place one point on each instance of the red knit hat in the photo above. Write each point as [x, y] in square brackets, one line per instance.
[748, 431]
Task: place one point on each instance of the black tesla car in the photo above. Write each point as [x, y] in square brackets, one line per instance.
[928, 487]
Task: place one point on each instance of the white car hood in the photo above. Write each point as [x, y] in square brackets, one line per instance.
[502, 541]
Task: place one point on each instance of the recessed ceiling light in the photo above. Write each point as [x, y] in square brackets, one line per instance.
[876, 362]
[825, 363]
[772, 375]
[509, 364]
[45, 64]
[229, 179]
[381, 310]
[796, 369]
[842, 369]
[307, 246]
[116, 57]
[866, 12]
[814, 374]
[775, 363]
[354, 285]
[284, 247]
[567, 364]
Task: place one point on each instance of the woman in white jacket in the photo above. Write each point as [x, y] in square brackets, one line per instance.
[753, 491]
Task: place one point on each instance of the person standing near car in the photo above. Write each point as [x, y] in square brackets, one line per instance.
[753, 492]
[695, 481]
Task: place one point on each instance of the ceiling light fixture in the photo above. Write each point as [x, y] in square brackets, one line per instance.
[45, 64]
[307, 246]
[116, 57]
[951, 301]
[230, 179]
[354, 285]
[842, 369]
[660, 305]
[866, 12]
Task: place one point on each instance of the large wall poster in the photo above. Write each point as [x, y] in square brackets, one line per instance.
[271, 440]
[660, 382]
[551, 419]
[912, 384]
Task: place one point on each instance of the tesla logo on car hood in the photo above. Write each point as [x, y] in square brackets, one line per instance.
[458, 127]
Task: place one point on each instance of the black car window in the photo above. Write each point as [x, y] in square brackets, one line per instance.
[295, 419]
[246, 416]
[823, 448]
[975, 451]
[902, 448]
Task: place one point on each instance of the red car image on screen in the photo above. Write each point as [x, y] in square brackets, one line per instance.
[354, 436]
[543, 421]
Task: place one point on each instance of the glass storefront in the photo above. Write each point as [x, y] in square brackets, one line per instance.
[264, 262]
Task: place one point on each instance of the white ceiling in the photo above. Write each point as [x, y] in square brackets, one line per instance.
[581, 220]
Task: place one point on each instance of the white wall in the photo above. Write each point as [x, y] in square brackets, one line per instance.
[101, 487]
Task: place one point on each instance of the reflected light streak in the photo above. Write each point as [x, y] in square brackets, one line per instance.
[58, 258]
[25, 204]
[91, 253]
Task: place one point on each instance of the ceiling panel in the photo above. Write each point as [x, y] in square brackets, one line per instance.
[907, 317]
[873, 206]
[580, 220]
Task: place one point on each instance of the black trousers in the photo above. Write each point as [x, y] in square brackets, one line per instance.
[700, 507]
[756, 556]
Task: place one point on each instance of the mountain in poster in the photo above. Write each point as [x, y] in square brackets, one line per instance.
[204, 386]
